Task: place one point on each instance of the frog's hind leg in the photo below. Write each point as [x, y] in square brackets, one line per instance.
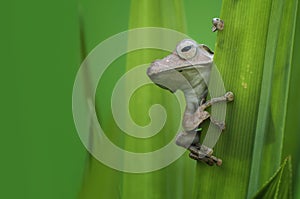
[192, 121]
[190, 141]
[210, 160]
[204, 154]
[187, 139]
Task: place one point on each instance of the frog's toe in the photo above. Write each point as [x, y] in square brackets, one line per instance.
[229, 96]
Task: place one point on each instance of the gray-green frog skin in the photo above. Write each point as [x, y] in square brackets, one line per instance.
[188, 69]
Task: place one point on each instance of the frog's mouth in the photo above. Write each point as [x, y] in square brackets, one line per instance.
[164, 87]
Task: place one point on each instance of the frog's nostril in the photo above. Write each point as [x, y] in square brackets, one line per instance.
[149, 70]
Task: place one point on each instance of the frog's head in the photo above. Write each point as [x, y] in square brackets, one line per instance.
[179, 69]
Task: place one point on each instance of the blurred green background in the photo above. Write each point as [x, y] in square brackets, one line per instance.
[43, 156]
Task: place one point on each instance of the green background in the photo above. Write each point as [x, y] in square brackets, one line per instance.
[42, 153]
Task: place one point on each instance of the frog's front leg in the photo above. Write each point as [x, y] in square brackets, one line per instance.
[228, 97]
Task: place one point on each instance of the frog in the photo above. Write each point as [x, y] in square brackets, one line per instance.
[188, 69]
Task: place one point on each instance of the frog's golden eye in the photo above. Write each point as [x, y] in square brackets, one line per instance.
[186, 49]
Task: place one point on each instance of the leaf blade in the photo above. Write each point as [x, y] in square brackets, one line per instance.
[279, 185]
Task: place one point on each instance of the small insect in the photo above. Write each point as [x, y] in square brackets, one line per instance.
[218, 24]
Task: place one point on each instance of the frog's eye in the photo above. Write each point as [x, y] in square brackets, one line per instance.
[186, 49]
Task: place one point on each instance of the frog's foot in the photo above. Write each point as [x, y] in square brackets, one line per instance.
[187, 139]
[211, 160]
[228, 97]
[204, 154]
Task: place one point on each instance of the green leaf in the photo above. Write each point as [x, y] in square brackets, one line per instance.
[165, 183]
[297, 180]
[253, 54]
[274, 93]
[291, 138]
[279, 185]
